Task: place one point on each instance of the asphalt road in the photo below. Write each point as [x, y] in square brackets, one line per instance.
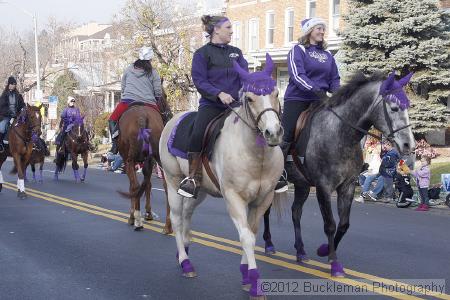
[71, 241]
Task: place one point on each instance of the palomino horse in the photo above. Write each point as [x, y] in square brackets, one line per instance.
[25, 130]
[76, 142]
[246, 163]
[333, 155]
[140, 128]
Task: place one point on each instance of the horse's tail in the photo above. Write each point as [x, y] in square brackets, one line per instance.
[145, 151]
[147, 171]
[280, 204]
[61, 161]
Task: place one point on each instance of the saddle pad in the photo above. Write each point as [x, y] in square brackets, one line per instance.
[179, 139]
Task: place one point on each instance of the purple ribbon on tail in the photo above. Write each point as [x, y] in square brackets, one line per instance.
[144, 136]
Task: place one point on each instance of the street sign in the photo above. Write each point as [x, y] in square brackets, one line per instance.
[52, 112]
[52, 99]
[38, 95]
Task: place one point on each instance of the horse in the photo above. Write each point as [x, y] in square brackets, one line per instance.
[140, 128]
[333, 156]
[24, 131]
[76, 142]
[247, 163]
[37, 157]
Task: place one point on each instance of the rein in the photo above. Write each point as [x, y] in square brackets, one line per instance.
[29, 129]
[388, 120]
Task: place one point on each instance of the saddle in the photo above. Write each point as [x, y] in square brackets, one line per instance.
[180, 136]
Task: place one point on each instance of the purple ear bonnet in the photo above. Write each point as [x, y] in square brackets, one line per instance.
[259, 83]
[392, 90]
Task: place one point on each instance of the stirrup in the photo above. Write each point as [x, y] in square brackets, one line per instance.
[282, 180]
[183, 192]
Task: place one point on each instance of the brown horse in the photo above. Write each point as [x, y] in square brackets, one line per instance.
[76, 142]
[25, 130]
[140, 130]
[37, 158]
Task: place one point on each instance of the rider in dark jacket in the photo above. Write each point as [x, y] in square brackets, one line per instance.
[11, 103]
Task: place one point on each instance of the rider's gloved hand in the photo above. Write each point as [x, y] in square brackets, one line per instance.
[225, 98]
[321, 94]
[11, 121]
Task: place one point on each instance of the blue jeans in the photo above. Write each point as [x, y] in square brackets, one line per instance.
[368, 184]
[424, 196]
[4, 125]
[117, 161]
[388, 187]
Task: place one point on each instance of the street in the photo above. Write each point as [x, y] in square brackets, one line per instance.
[71, 241]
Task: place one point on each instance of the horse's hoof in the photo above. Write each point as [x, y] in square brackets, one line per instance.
[188, 269]
[263, 297]
[22, 195]
[41, 181]
[189, 275]
[139, 228]
[269, 250]
[302, 258]
[148, 216]
[322, 251]
[337, 270]
[246, 287]
[167, 231]
[1, 187]
[130, 221]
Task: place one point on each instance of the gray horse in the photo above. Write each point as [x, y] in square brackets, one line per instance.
[334, 158]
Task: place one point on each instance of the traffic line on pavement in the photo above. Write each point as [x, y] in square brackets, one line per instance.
[122, 217]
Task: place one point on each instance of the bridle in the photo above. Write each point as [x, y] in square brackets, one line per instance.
[31, 130]
[392, 131]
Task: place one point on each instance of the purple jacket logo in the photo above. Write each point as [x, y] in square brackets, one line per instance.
[233, 55]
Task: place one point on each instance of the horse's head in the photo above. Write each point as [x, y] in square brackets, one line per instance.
[391, 113]
[33, 119]
[77, 130]
[259, 96]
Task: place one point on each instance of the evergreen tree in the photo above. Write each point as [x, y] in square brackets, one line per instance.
[404, 35]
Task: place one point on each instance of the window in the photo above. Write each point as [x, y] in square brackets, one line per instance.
[282, 81]
[237, 33]
[311, 8]
[253, 32]
[335, 14]
[270, 28]
[289, 25]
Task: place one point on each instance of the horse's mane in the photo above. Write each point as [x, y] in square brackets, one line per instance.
[356, 82]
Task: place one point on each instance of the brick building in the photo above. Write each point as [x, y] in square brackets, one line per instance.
[273, 26]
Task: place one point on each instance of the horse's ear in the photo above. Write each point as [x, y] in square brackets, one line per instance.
[28, 105]
[387, 84]
[404, 81]
[40, 106]
[242, 73]
[269, 65]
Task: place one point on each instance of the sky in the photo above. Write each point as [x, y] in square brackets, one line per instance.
[76, 11]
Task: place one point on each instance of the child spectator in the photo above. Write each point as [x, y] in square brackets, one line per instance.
[388, 168]
[402, 180]
[423, 176]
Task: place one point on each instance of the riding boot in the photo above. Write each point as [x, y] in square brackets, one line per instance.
[282, 184]
[114, 131]
[190, 185]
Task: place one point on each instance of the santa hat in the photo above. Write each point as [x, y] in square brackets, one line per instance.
[308, 24]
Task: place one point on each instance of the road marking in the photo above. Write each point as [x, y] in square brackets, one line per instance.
[122, 217]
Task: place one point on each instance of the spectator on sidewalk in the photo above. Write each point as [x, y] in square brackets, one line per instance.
[388, 168]
[423, 176]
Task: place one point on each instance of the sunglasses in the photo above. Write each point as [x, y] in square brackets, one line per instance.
[72, 101]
